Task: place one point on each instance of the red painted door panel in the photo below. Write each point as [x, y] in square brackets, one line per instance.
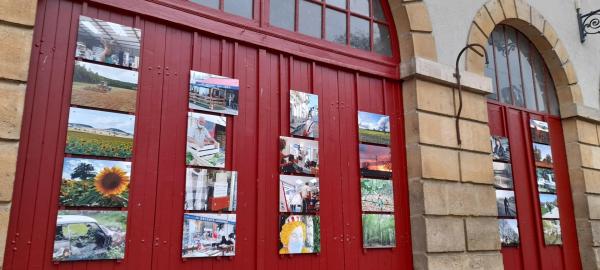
[533, 253]
[155, 220]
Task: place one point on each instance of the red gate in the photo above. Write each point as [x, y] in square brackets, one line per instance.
[169, 51]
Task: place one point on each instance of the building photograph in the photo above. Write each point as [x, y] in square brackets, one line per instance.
[300, 134]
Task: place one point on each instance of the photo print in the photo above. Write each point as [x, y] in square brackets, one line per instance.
[104, 87]
[108, 42]
[503, 177]
[210, 190]
[509, 232]
[542, 155]
[89, 235]
[93, 182]
[549, 206]
[376, 195]
[208, 235]
[373, 128]
[375, 161]
[379, 230]
[539, 131]
[298, 194]
[214, 93]
[99, 133]
[206, 137]
[506, 203]
[545, 180]
[298, 156]
[299, 234]
[552, 232]
[304, 114]
[500, 148]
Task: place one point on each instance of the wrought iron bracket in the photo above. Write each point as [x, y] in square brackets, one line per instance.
[589, 23]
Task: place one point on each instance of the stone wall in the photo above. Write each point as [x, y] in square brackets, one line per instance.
[452, 198]
[16, 33]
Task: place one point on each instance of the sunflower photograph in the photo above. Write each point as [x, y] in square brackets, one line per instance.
[92, 182]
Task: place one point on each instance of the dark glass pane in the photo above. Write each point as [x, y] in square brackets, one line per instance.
[335, 26]
[309, 19]
[539, 81]
[552, 99]
[514, 67]
[208, 3]
[378, 10]
[360, 33]
[490, 69]
[500, 51]
[239, 7]
[360, 7]
[527, 71]
[381, 39]
[337, 3]
[282, 13]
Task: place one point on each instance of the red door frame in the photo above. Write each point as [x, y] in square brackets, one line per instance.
[532, 253]
[154, 225]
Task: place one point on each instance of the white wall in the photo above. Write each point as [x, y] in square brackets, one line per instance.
[451, 20]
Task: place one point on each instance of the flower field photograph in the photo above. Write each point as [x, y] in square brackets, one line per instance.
[99, 133]
[92, 182]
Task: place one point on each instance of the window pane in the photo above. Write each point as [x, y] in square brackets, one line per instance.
[208, 3]
[335, 26]
[284, 15]
[514, 67]
[378, 10]
[381, 39]
[538, 79]
[552, 99]
[525, 55]
[501, 66]
[360, 33]
[490, 69]
[360, 6]
[239, 7]
[337, 3]
[309, 19]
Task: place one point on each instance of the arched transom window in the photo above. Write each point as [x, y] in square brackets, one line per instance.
[519, 75]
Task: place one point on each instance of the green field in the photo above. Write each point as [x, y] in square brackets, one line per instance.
[374, 136]
[82, 143]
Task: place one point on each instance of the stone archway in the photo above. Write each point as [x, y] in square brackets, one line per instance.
[580, 124]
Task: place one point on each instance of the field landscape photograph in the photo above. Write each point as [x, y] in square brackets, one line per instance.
[99, 133]
[94, 182]
[104, 87]
[373, 128]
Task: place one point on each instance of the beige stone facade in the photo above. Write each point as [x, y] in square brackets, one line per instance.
[16, 34]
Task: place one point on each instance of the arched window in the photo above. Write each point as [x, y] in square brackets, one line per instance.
[519, 75]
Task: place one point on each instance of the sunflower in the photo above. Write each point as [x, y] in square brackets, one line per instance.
[111, 181]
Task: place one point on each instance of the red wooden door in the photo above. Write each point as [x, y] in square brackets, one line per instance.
[155, 219]
[532, 252]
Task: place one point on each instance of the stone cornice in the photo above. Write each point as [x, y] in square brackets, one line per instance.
[439, 73]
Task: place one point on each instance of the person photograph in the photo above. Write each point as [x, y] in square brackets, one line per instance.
[304, 114]
[210, 190]
[206, 137]
[549, 206]
[500, 148]
[299, 234]
[213, 93]
[506, 203]
[298, 194]
[108, 43]
[298, 156]
[208, 235]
